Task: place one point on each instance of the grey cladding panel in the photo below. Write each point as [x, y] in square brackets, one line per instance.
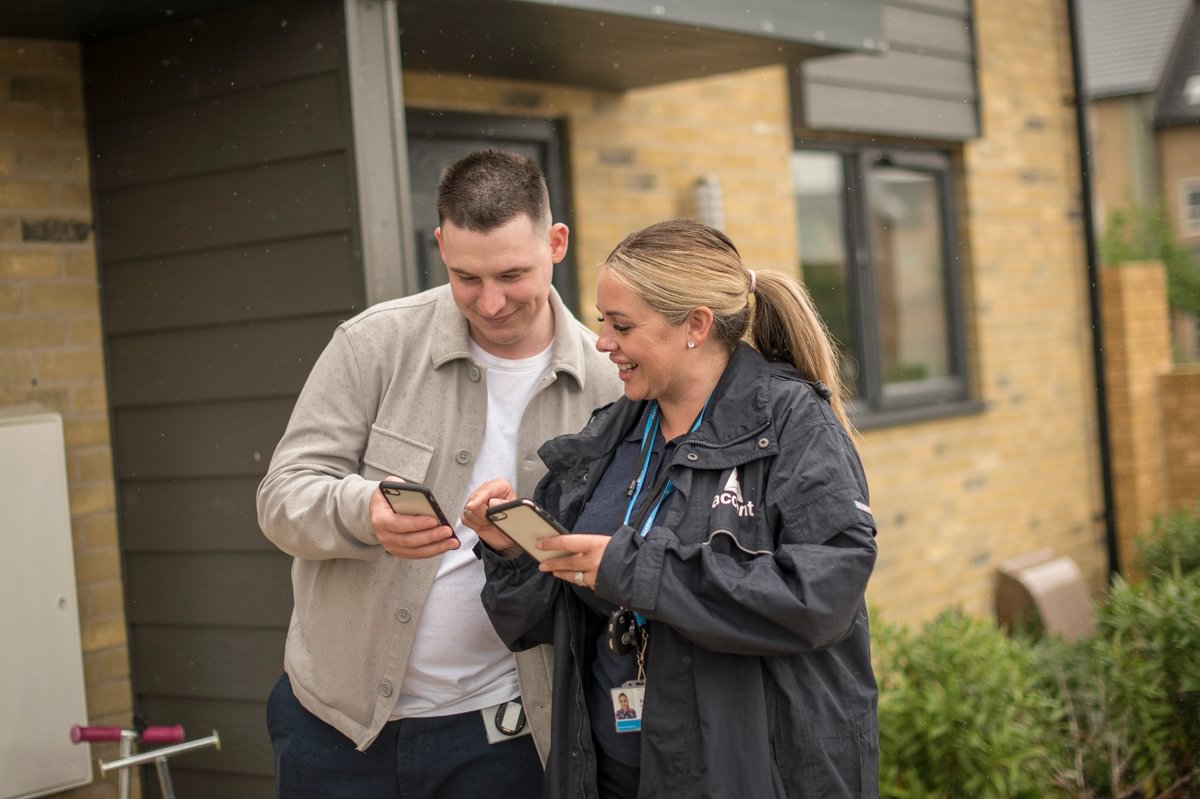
[207, 515]
[918, 31]
[245, 745]
[864, 110]
[958, 8]
[241, 590]
[224, 363]
[277, 201]
[219, 440]
[299, 277]
[271, 123]
[906, 72]
[924, 86]
[236, 50]
[201, 662]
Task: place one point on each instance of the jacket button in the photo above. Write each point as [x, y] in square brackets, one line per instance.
[462, 456]
[404, 615]
[385, 688]
[473, 373]
[691, 456]
[763, 443]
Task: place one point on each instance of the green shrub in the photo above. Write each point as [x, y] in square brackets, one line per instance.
[1131, 694]
[961, 713]
[1175, 537]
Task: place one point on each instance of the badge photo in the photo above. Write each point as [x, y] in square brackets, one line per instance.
[627, 705]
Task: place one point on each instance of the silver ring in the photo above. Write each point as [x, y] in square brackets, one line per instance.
[578, 578]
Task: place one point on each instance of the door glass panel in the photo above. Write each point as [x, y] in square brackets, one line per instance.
[904, 207]
[819, 184]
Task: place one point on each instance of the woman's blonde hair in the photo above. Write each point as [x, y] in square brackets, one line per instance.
[679, 265]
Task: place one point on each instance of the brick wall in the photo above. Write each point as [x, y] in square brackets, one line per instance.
[635, 156]
[50, 342]
[1180, 392]
[1137, 352]
[956, 497]
[953, 497]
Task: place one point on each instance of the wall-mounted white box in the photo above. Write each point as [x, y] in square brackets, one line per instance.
[41, 660]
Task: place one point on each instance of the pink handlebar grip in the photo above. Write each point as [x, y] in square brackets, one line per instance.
[163, 734]
[79, 733]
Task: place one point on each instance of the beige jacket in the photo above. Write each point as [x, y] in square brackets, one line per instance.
[395, 392]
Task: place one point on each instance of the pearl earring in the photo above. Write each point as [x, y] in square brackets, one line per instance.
[691, 345]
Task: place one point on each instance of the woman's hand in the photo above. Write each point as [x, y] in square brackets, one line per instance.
[493, 492]
[581, 566]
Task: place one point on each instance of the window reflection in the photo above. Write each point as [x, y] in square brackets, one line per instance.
[819, 186]
[904, 213]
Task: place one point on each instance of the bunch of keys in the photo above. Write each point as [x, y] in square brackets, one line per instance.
[624, 634]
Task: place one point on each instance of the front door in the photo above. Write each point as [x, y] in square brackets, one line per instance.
[437, 139]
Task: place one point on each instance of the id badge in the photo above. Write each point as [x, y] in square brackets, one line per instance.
[627, 705]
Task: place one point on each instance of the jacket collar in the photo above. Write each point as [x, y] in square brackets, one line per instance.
[739, 418]
[452, 336]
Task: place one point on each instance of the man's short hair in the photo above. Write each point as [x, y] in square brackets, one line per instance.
[488, 188]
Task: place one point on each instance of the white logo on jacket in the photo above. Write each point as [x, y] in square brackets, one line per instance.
[731, 494]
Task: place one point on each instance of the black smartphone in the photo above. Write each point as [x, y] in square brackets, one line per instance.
[413, 499]
[526, 523]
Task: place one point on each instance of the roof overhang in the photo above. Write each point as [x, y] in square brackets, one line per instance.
[601, 44]
[626, 44]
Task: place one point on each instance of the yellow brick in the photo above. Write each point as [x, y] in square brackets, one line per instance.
[47, 91]
[85, 432]
[85, 330]
[109, 697]
[101, 634]
[87, 498]
[73, 364]
[106, 666]
[25, 122]
[10, 229]
[81, 262]
[97, 567]
[63, 297]
[17, 368]
[74, 196]
[26, 194]
[29, 263]
[100, 599]
[89, 398]
[31, 332]
[96, 531]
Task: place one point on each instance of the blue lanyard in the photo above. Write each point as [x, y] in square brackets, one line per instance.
[648, 435]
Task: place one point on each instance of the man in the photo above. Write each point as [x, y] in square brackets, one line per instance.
[394, 675]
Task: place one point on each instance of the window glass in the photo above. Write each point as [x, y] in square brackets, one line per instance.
[819, 184]
[904, 211]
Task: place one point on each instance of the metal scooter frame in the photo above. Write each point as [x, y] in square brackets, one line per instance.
[128, 759]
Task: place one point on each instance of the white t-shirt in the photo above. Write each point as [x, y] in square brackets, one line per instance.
[458, 663]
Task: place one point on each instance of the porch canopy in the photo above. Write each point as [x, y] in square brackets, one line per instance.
[601, 44]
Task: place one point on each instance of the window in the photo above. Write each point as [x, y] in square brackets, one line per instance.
[1190, 205]
[875, 235]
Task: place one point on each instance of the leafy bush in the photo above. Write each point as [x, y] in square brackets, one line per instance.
[1131, 694]
[961, 714]
[1145, 234]
[1176, 537]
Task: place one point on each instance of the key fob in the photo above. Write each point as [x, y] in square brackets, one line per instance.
[622, 632]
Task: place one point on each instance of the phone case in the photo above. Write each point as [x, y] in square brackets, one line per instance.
[413, 499]
[526, 523]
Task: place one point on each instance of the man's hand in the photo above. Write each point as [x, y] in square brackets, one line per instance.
[493, 492]
[409, 537]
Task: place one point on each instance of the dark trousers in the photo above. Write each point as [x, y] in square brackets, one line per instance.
[435, 758]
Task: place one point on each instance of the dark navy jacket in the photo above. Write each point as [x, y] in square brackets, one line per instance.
[758, 672]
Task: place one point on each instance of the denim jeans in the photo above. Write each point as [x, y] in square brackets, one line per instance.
[446, 757]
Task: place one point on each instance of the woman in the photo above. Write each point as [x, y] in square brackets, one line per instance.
[722, 545]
